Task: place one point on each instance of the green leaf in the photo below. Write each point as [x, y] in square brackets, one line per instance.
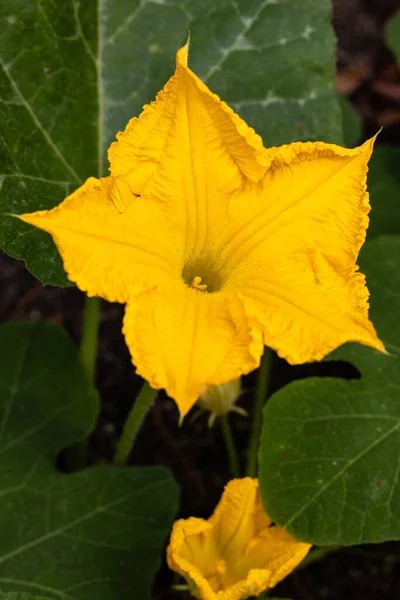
[274, 63]
[392, 35]
[97, 533]
[85, 68]
[330, 448]
[384, 190]
[20, 596]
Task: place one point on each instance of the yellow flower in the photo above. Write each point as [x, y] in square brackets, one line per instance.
[218, 245]
[237, 553]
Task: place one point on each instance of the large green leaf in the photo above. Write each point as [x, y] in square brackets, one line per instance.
[330, 450]
[85, 68]
[273, 62]
[97, 533]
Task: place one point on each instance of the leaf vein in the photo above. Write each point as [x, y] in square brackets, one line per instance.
[38, 124]
[341, 472]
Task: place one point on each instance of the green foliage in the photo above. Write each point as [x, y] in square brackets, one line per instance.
[384, 190]
[330, 449]
[274, 63]
[85, 68]
[97, 533]
[20, 596]
[392, 35]
[384, 175]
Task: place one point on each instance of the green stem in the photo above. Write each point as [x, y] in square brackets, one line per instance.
[90, 332]
[230, 446]
[77, 453]
[260, 397]
[133, 423]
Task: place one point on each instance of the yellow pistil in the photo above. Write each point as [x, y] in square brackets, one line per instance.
[197, 285]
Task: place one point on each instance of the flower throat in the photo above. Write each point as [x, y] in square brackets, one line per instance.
[202, 276]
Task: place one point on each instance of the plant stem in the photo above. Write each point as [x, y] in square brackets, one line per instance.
[77, 453]
[260, 397]
[230, 446]
[90, 332]
[133, 423]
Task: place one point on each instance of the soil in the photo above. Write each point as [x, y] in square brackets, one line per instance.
[369, 76]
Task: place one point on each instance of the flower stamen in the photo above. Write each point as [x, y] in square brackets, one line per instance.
[197, 285]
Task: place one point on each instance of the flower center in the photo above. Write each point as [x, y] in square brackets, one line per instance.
[201, 275]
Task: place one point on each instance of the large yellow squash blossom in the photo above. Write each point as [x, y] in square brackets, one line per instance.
[237, 553]
[218, 245]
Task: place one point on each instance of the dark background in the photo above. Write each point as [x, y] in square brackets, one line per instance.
[369, 75]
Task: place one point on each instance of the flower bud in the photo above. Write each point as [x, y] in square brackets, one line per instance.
[219, 400]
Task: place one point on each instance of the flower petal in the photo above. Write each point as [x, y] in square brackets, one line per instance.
[105, 236]
[240, 518]
[194, 552]
[239, 515]
[237, 553]
[182, 340]
[292, 250]
[191, 152]
[186, 544]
